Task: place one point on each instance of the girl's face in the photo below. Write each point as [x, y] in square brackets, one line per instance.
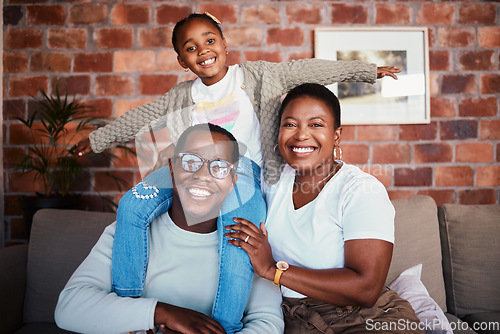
[202, 49]
[307, 134]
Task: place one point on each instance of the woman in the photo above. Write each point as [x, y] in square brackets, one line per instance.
[330, 226]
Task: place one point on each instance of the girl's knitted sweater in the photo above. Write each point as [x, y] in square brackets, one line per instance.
[264, 82]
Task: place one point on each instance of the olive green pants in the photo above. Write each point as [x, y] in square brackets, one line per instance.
[390, 314]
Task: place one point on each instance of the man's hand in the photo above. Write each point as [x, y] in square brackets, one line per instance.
[387, 70]
[174, 319]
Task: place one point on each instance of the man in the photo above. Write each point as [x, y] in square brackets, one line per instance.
[182, 269]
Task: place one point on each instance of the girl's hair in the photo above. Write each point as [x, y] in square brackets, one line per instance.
[185, 20]
[212, 128]
[316, 91]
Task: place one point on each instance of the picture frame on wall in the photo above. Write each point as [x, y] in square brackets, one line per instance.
[388, 101]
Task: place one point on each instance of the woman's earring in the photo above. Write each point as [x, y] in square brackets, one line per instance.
[335, 153]
[186, 70]
[276, 153]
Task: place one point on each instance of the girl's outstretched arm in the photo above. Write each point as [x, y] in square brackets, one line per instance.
[382, 71]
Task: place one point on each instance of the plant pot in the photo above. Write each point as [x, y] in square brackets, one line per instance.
[31, 204]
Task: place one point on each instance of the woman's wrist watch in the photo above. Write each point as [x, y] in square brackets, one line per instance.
[281, 266]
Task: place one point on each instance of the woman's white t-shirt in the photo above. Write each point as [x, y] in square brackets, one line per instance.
[352, 205]
[226, 104]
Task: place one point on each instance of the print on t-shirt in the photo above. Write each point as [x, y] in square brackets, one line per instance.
[223, 113]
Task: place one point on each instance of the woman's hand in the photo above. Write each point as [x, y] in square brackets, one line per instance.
[82, 148]
[387, 70]
[174, 319]
[254, 241]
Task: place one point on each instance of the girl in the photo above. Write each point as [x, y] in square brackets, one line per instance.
[330, 225]
[251, 95]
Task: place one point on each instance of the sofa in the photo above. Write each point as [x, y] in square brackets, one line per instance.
[455, 244]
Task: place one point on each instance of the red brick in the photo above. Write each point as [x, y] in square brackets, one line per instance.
[450, 176]
[477, 107]
[474, 152]
[343, 13]
[272, 56]
[349, 133]
[489, 37]
[456, 37]
[442, 107]
[498, 152]
[15, 62]
[113, 38]
[155, 37]
[458, 129]
[439, 196]
[436, 14]
[225, 13]
[264, 13]
[304, 13]
[93, 62]
[99, 108]
[27, 86]
[12, 156]
[418, 131]
[490, 83]
[285, 36]
[22, 39]
[413, 177]
[458, 84]
[130, 14]
[305, 54]
[400, 194]
[19, 134]
[67, 38]
[434, 84]
[75, 84]
[12, 15]
[12, 108]
[490, 129]
[50, 62]
[156, 84]
[477, 60]
[435, 152]
[134, 61]
[355, 154]
[171, 14]
[45, 15]
[88, 13]
[122, 106]
[383, 173]
[103, 182]
[392, 14]
[476, 196]
[113, 85]
[439, 60]
[243, 36]
[391, 154]
[166, 61]
[233, 58]
[477, 14]
[377, 132]
[124, 159]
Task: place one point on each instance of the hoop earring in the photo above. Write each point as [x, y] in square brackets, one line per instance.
[335, 153]
[276, 153]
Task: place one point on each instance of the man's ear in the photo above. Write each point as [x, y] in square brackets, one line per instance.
[181, 62]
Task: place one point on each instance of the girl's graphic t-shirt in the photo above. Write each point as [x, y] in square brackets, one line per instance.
[226, 104]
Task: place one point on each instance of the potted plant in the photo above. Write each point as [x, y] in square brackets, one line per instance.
[53, 129]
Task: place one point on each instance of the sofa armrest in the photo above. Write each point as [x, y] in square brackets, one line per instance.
[13, 263]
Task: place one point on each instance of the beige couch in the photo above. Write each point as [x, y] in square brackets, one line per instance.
[465, 283]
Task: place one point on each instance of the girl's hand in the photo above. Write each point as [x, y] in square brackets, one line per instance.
[387, 70]
[82, 148]
[254, 241]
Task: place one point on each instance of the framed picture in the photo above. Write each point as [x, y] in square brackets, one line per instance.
[388, 101]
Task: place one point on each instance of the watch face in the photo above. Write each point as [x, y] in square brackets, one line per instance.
[282, 265]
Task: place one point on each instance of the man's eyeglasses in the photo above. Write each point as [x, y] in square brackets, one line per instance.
[191, 162]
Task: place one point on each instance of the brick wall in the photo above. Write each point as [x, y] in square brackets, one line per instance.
[115, 55]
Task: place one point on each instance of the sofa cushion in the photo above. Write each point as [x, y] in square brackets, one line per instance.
[417, 241]
[60, 240]
[484, 323]
[471, 257]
